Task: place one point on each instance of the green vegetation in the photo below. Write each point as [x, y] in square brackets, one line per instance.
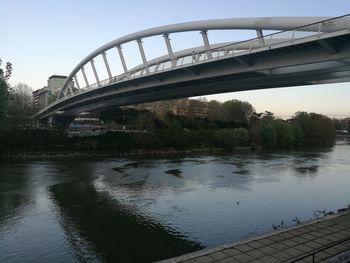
[304, 129]
[231, 138]
[4, 94]
[20, 106]
[173, 133]
[179, 124]
[15, 103]
[317, 129]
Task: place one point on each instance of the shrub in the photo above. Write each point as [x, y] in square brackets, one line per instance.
[284, 133]
[241, 136]
[268, 135]
[230, 138]
[317, 129]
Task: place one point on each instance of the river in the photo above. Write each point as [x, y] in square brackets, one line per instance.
[147, 209]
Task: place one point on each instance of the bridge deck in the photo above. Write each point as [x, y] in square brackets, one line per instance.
[314, 53]
[282, 245]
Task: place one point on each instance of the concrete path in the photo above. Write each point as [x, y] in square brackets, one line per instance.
[282, 245]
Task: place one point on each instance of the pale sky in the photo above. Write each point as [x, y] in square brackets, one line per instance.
[42, 38]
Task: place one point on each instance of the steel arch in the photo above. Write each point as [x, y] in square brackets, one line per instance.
[257, 24]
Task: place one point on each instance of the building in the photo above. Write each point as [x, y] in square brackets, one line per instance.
[182, 107]
[48, 94]
[40, 98]
[55, 83]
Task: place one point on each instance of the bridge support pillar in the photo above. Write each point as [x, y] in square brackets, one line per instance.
[106, 64]
[143, 56]
[260, 36]
[70, 89]
[37, 123]
[170, 50]
[84, 75]
[122, 59]
[95, 72]
[206, 43]
[76, 81]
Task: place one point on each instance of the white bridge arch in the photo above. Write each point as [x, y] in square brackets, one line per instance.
[257, 24]
[293, 31]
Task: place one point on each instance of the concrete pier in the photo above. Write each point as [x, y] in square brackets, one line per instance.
[286, 245]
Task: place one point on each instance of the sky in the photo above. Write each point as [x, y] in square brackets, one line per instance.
[42, 38]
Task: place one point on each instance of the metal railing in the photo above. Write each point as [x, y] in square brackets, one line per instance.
[313, 253]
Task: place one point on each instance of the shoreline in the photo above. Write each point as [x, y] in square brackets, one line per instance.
[91, 155]
[299, 240]
[61, 155]
[72, 155]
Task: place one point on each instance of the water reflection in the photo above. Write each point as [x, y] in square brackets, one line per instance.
[174, 172]
[144, 209]
[73, 170]
[161, 175]
[307, 170]
[113, 232]
[13, 193]
[309, 163]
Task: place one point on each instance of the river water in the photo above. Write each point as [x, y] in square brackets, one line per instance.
[146, 209]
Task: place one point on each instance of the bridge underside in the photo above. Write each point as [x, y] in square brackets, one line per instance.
[313, 62]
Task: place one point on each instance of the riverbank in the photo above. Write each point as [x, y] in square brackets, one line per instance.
[93, 155]
[173, 136]
[90, 154]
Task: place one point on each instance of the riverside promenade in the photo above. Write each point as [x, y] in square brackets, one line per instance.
[285, 245]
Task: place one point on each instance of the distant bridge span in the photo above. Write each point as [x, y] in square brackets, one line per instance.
[306, 50]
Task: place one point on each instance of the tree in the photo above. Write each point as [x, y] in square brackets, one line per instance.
[236, 112]
[230, 138]
[317, 129]
[225, 138]
[119, 115]
[267, 134]
[20, 106]
[213, 110]
[3, 103]
[298, 134]
[241, 136]
[5, 75]
[4, 91]
[144, 122]
[284, 133]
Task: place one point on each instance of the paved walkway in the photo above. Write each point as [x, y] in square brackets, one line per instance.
[282, 245]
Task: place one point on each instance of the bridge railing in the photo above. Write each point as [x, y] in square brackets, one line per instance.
[202, 54]
[270, 40]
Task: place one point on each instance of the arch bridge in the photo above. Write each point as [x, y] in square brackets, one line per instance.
[285, 51]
